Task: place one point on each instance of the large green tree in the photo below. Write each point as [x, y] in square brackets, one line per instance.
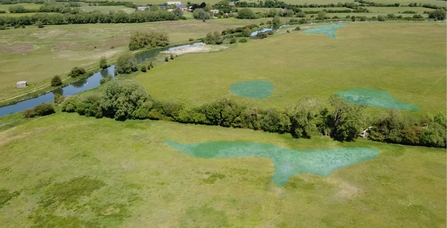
[346, 120]
[121, 98]
[304, 117]
[126, 64]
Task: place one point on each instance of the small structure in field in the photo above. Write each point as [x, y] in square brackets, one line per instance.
[21, 84]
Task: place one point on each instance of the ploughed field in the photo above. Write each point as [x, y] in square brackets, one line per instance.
[70, 170]
[406, 60]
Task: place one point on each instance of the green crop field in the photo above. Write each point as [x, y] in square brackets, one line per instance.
[405, 59]
[69, 170]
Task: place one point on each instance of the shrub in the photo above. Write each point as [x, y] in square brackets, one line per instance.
[191, 39]
[126, 64]
[103, 63]
[171, 57]
[261, 35]
[69, 104]
[243, 40]
[166, 59]
[270, 33]
[297, 28]
[56, 81]
[381, 18]
[246, 14]
[139, 40]
[106, 79]
[89, 105]
[246, 32]
[76, 71]
[58, 98]
[40, 110]
[233, 40]
[213, 38]
[2, 27]
[143, 68]
[143, 111]
[39, 24]
[121, 98]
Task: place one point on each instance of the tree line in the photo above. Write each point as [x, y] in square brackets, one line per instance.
[90, 18]
[306, 118]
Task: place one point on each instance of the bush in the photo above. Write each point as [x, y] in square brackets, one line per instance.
[39, 24]
[76, 71]
[90, 105]
[2, 27]
[166, 59]
[191, 39]
[143, 68]
[103, 63]
[246, 14]
[270, 33]
[122, 98]
[56, 81]
[233, 40]
[213, 38]
[297, 28]
[69, 104]
[126, 64]
[40, 110]
[58, 98]
[243, 40]
[246, 32]
[171, 57]
[139, 40]
[106, 79]
[381, 18]
[261, 35]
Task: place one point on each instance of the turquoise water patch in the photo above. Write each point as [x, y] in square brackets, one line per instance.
[328, 30]
[287, 162]
[375, 98]
[252, 89]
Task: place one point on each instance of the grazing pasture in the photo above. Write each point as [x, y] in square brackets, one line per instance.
[68, 169]
[405, 59]
[36, 55]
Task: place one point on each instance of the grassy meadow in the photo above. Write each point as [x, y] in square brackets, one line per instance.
[36, 55]
[405, 59]
[73, 171]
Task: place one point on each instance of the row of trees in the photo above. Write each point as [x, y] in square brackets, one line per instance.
[90, 18]
[307, 118]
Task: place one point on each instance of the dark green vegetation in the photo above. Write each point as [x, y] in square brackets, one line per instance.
[43, 109]
[140, 40]
[68, 169]
[307, 118]
[56, 81]
[126, 64]
[287, 162]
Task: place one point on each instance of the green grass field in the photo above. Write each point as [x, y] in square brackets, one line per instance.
[69, 170]
[36, 55]
[404, 59]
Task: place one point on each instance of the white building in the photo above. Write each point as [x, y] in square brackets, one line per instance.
[21, 84]
[174, 3]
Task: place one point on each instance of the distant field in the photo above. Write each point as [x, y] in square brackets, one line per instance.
[68, 169]
[405, 59]
[26, 5]
[36, 55]
[105, 9]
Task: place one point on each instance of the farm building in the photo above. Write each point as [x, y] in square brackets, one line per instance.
[21, 84]
[144, 8]
[174, 3]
